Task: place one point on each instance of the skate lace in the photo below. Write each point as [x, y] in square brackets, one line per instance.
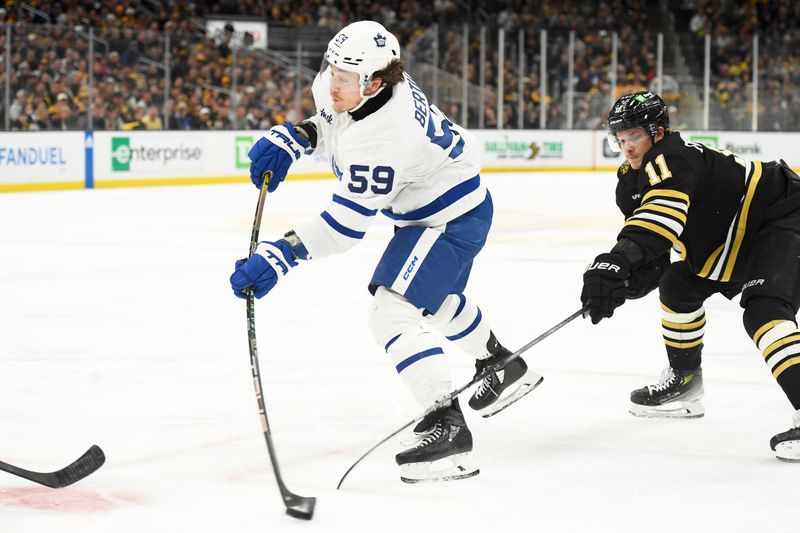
[431, 437]
[665, 380]
[488, 381]
[796, 418]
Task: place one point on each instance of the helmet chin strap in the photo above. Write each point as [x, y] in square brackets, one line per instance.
[364, 97]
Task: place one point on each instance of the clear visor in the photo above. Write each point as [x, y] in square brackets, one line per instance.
[617, 141]
[340, 80]
[613, 142]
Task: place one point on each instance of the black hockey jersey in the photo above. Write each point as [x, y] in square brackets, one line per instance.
[706, 203]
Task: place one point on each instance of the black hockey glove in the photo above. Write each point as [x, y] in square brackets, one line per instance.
[646, 278]
[604, 285]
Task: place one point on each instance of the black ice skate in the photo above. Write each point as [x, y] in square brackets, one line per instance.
[423, 428]
[502, 387]
[786, 445]
[676, 395]
[442, 452]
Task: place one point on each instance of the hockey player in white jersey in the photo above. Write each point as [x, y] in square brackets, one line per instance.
[395, 153]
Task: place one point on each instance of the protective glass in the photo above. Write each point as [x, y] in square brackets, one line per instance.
[613, 142]
[616, 144]
[340, 80]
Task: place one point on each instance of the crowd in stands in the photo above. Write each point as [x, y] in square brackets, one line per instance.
[212, 85]
[731, 26]
[49, 78]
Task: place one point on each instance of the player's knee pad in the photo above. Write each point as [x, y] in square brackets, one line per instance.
[390, 315]
[396, 325]
[451, 307]
[766, 317]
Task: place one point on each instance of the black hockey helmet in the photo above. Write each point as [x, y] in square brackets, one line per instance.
[643, 109]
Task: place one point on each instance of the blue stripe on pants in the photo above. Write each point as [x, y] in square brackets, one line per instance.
[468, 330]
[408, 361]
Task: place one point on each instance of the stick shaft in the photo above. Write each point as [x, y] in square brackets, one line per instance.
[296, 506]
[446, 400]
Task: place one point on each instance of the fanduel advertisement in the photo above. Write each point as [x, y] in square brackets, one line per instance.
[41, 157]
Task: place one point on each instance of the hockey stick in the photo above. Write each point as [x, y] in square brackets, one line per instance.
[86, 464]
[296, 506]
[447, 400]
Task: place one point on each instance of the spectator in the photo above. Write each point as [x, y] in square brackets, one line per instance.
[18, 105]
[205, 122]
[113, 121]
[64, 119]
[22, 123]
[181, 120]
[153, 119]
[41, 116]
[240, 121]
[136, 122]
[98, 117]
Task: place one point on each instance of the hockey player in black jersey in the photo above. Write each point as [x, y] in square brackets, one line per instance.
[735, 224]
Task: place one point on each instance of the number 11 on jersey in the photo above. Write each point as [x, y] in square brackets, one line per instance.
[663, 169]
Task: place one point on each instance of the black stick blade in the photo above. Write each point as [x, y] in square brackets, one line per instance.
[87, 464]
[300, 506]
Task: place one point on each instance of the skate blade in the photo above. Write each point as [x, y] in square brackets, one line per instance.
[528, 382]
[788, 451]
[459, 466]
[693, 409]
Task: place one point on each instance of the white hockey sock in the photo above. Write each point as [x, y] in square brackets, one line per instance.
[420, 362]
[462, 322]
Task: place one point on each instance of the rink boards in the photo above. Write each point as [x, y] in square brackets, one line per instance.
[31, 161]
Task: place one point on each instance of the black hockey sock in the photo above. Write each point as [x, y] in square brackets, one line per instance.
[771, 324]
[684, 359]
[789, 380]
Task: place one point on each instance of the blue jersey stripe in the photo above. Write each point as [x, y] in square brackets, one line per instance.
[344, 230]
[358, 208]
[442, 202]
[416, 357]
[468, 330]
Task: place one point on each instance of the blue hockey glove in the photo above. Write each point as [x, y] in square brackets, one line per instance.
[270, 262]
[604, 285]
[281, 147]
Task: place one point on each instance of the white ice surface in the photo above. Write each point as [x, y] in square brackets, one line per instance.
[117, 327]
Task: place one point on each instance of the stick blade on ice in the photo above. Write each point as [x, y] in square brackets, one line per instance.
[300, 506]
[85, 465]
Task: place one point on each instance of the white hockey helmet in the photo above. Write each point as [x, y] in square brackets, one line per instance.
[363, 47]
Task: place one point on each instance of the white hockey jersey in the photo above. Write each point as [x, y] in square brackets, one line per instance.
[405, 160]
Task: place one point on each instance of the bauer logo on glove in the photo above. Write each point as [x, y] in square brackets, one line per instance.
[604, 285]
[603, 266]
